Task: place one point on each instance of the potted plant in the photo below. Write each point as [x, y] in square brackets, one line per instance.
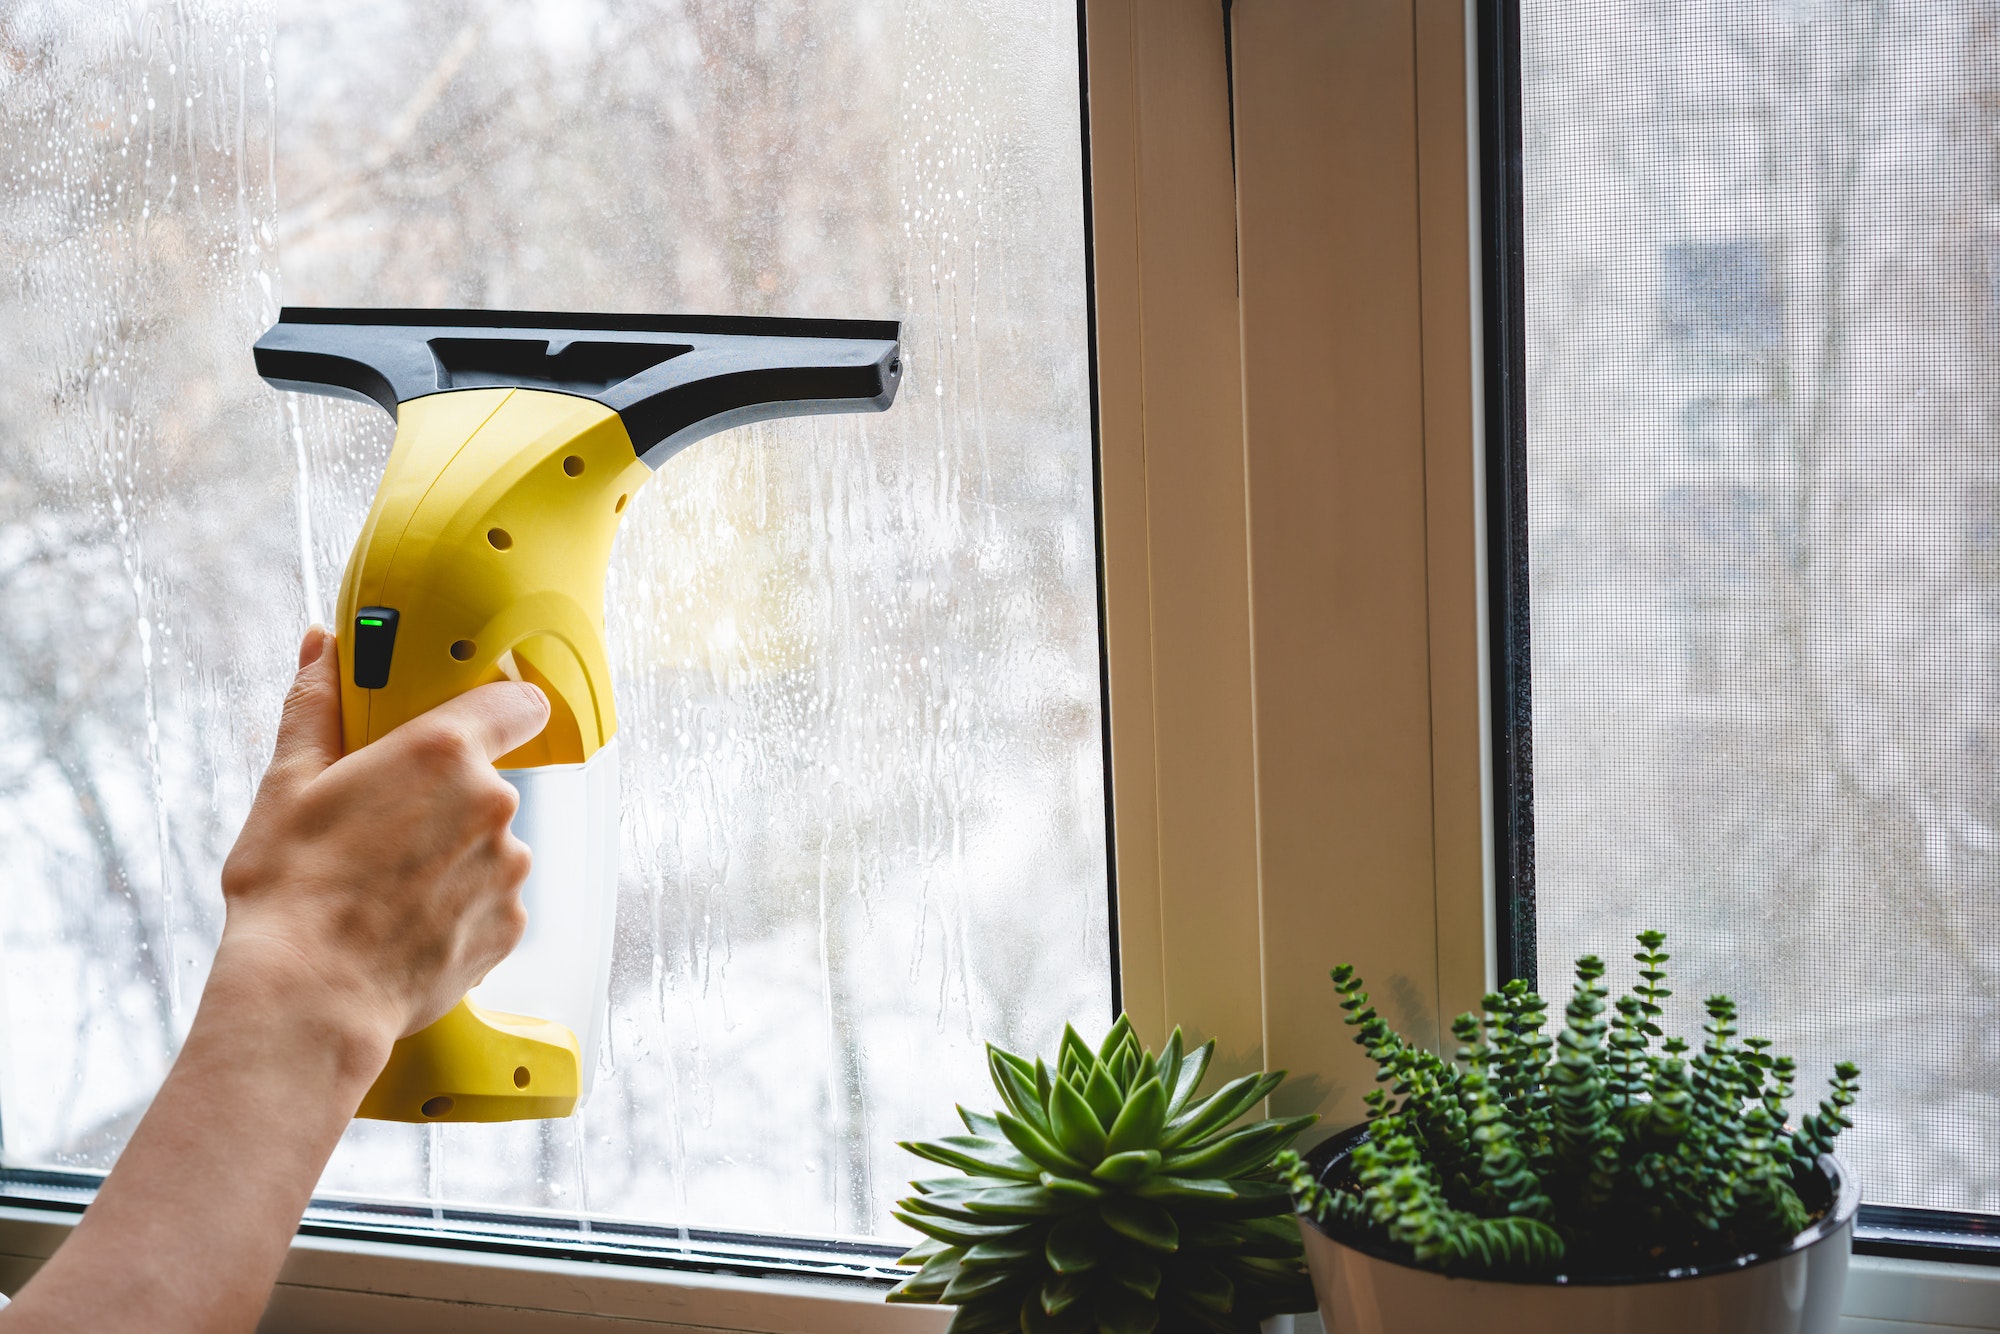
[1104, 1196]
[1606, 1177]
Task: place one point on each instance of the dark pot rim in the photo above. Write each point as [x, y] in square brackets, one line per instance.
[1846, 1196]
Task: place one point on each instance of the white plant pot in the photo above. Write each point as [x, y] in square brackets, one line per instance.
[1794, 1290]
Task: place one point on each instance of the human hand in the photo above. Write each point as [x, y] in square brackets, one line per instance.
[365, 894]
[385, 883]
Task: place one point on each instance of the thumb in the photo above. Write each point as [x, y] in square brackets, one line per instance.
[309, 730]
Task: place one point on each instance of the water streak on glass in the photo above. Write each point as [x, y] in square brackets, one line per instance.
[1763, 310]
[855, 658]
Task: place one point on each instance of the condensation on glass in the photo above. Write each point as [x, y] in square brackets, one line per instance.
[1763, 317]
[857, 657]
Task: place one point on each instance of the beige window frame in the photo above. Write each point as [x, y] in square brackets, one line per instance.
[1293, 582]
[1289, 386]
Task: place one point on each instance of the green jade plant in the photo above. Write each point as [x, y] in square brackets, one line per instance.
[1592, 1151]
[1103, 1196]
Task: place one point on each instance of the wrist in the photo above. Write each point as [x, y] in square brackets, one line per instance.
[261, 980]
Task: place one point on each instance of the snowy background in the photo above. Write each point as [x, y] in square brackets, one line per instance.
[856, 657]
[1763, 306]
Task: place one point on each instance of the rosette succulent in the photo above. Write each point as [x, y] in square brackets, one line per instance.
[1103, 1196]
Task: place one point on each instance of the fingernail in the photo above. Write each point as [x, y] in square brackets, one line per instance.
[312, 646]
[543, 696]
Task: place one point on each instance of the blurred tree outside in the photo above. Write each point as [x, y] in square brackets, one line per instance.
[1763, 265]
[857, 658]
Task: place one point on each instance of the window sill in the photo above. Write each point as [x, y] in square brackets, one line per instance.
[343, 1283]
[1888, 1296]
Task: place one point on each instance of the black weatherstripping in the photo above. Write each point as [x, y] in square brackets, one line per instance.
[1927, 1234]
[1506, 421]
[1097, 516]
[672, 379]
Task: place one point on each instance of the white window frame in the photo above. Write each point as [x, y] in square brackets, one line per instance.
[1290, 425]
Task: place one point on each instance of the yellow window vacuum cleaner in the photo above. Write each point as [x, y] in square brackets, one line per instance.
[520, 438]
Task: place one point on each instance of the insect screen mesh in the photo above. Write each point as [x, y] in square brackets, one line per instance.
[1763, 341]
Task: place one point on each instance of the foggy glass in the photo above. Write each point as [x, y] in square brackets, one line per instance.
[1763, 319]
[856, 658]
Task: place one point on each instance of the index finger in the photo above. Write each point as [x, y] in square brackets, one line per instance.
[496, 717]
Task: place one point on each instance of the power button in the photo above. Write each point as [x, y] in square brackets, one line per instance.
[374, 644]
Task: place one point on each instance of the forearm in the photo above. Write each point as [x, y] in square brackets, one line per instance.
[365, 894]
[190, 1228]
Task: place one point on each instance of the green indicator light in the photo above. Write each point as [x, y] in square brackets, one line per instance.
[368, 620]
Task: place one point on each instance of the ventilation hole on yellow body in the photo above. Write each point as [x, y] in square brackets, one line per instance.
[500, 538]
[619, 508]
[520, 1076]
[573, 466]
[464, 649]
[437, 1106]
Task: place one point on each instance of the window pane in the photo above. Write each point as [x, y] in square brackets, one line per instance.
[857, 660]
[1763, 299]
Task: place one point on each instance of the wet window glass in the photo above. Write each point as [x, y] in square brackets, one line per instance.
[856, 657]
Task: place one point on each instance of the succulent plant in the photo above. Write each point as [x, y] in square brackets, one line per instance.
[1104, 1197]
[1593, 1150]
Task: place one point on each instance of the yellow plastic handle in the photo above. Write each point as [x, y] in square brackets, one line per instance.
[490, 537]
[478, 1065]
